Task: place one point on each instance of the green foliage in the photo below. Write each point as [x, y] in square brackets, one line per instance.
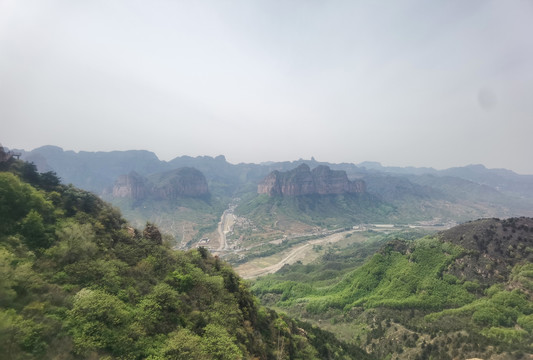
[526, 322]
[183, 345]
[99, 320]
[17, 199]
[33, 230]
[219, 345]
[506, 335]
[409, 279]
[408, 284]
[76, 282]
[75, 243]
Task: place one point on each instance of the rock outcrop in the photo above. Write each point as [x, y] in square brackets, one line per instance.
[302, 181]
[185, 181]
[168, 185]
[132, 186]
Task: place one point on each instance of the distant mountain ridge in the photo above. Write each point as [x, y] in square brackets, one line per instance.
[404, 194]
[167, 185]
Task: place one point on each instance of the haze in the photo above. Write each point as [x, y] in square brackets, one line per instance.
[421, 83]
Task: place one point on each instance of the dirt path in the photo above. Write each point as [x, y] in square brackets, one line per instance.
[227, 220]
[252, 269]
[221, 235]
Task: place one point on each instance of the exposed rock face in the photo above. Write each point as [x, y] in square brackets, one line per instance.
[302, 181]
[132, 186]
[168, 185]
[152, 233]
[180, 182]
[329, 181]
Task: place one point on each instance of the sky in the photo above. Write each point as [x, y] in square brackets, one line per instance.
[406, 82]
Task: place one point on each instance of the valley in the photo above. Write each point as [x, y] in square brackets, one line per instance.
[266, 180]
[395, 265]
[310, 250]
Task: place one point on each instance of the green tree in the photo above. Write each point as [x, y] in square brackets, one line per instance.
[16, 201]
[76, 242]
[219, 344]
[99, 321]
[184, 345]
[34, 232]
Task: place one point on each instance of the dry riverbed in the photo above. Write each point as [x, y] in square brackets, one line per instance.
[300, 252]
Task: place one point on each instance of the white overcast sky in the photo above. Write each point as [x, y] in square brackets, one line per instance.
[409, 82]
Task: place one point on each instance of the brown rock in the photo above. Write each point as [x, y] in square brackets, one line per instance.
[180, 182]
[132, 185]
[302, 181]
[168, 185]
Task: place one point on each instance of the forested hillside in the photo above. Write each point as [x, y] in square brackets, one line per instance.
[77, 282]
[466, 292]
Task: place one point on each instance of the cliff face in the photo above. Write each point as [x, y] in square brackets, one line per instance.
[180, 182]
[302, 181]
[132, 185]
[167, 185]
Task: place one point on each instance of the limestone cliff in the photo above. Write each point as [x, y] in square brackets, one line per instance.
[132, 186]
[168, 185]
[180, 182]
[302, 181]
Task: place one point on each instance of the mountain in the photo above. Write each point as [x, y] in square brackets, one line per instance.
[503, 180]
[167, 185]
[93, 171]
[77, 282]
[178, 200]
[132, 186]
[302, 181]
[463, 293]
[341, 195]
[442, 199]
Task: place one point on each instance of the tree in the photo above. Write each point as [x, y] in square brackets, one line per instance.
[100, 321]
[218, 343]
[34, 232]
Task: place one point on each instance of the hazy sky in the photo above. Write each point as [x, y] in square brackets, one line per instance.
[421, 83]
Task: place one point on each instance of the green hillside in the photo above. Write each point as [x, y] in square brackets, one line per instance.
[76, 282]
[329, 211]
[465, 292]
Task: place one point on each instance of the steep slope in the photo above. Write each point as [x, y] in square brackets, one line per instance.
[321, 197]
[302, 181]
[76, 282]
[178, 201]
[466, 292]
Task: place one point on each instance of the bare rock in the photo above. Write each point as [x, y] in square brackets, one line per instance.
[302, 181]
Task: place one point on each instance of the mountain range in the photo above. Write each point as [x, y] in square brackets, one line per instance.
[135, 181]
[78, 281]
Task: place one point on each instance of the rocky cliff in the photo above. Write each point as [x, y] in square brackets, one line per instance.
[132, 186]
[302, 181]
[168, 185]
[185, 181]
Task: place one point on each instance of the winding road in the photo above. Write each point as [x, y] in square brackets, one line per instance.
[293, 256]
[224, 226]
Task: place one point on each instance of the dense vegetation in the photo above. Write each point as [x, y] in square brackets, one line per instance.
[77, 282]
[467, 292]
